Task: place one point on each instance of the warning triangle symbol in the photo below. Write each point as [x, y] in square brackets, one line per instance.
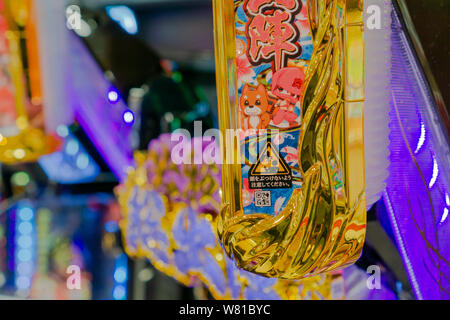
[269, 163]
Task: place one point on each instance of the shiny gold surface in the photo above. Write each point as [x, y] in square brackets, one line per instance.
[320, 229]
[140, 241]
[29, 143]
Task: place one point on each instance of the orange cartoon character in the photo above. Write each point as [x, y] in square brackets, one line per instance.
[254, 105]
[287, 86]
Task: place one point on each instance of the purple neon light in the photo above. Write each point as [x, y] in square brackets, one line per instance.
[100, 118]
[113, 96]
[128, 117]
[419, 175]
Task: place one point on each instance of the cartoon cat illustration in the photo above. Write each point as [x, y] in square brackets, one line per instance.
[254, 108]
[287, 86]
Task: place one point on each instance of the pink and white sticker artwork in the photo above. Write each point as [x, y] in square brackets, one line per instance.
[273, 49]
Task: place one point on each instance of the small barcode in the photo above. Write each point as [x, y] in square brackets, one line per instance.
[262, 199]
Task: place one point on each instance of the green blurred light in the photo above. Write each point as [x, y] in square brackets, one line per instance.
[175, 124]
[177, 77]
[20, 179]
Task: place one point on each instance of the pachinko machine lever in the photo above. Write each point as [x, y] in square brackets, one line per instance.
[291, 91]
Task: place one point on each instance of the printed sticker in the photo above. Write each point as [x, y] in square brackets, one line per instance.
[273, 49]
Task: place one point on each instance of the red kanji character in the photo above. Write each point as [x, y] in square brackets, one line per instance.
[256, 6]
[272, 38]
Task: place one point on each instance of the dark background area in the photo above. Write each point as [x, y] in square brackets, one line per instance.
[432, 23]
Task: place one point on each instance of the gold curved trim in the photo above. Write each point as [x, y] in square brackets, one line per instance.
[319, 230]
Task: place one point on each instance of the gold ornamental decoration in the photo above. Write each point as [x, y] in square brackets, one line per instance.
[169, 216]
[290, 77]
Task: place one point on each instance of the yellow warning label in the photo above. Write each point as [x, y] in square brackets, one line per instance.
[269, 163]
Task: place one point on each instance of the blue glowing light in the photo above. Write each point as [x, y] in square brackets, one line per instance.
[25, 227]
[25, 242]
[73, 165]
[23, 282]
[26, 214]
[120, 293]
[125, 17]
[72, 147]
[25, 268]
[62, 131]
[82, 161]
[24, 255]
[120, 275]
[24, 246]
[202, 108]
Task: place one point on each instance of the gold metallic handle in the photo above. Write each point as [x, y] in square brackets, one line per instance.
[323, 226]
